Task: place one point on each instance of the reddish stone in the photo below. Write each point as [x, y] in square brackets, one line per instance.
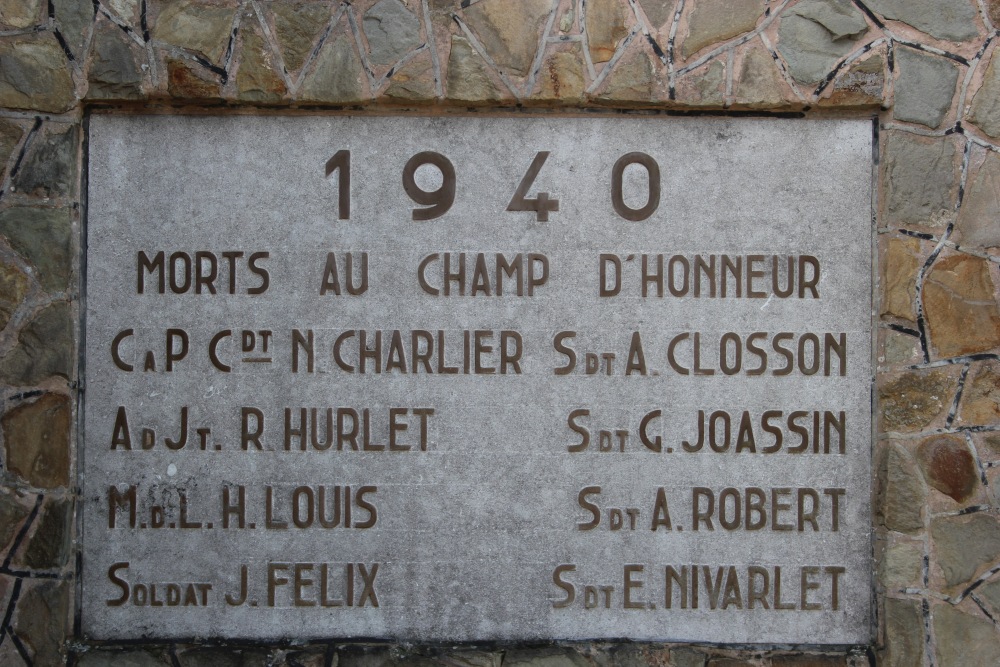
[948, 466]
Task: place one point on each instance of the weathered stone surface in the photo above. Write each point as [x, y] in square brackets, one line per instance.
[36, 438]
[949, 466]
[42, 237]
[760, 83]
[258, 79]
[223, 657]
[921, 180]
[12, 513]
[960, 306]
[413, 82]
[42, 620]
[311, 657]
[124, 658]
[20, 13]
[904, 633]
[954, 20]
[981, 398]
[126, 10]
[713, 21]
[915, 399]
[900, 348]
[567, 20]
[985, 109]
[49, 169]
[561, 76]
[468, 77]
[657, 11]
[993, 11]
[10, 135]
[977, 219]
[392, 31]
[605, 28]
[686, 657]
[74, 19]
[185, 83]
[862, 83]
[298, 25]
[900, 278]
[197, 27]
[49, 546]
[901, 566]
[809, 660]
[336, 75]
[13, 287]
[631, 80]
[113, 73]
[815, 34]
[34, 74]
[925, 87]
[902, 491]
[634, 655]
[45, 348]
[705, 86]
[545, 658]
[509, 30]
[990, 592]
[964, 639]
[962, 545]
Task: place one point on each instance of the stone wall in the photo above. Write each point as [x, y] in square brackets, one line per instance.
[925, 67]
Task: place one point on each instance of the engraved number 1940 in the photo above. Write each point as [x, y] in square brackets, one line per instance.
[437, 202]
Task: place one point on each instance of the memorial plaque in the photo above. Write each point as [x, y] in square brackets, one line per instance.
[467, 378]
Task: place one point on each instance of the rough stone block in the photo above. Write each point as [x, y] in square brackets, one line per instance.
[900, 278]
[925, 87]
[50, 167]
[760, 84]
[468, 75]
[980, 211]
[34, 74]
[904, 633]
[50, 545]
[914, 399]
[953, 20]
[964, 639]
[948, 466]
[18, 14]
[42, 622]
[392, 31]
[336, 75]
[74, 18]
[12, 513]
[985, 110]
[198, 27]
[921, 180]
[981, 399]
[960, 306]
[713, 21]
[964, 545]
[509, 30]
[258, 78]
[901, 566]
[605, 23]
[13, 288]
[44, 348]
[297, 26]
[561, 78]
[901, 491]
[113, 73]
[815, 34]
[43, 237]
[36, 438]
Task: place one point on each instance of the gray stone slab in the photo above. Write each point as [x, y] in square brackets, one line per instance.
[479, 524]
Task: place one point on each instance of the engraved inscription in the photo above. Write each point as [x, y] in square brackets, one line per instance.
[474, 378]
